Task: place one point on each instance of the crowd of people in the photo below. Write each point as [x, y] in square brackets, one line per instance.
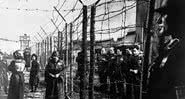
[53, 76]
[118, 71]
[13, 74]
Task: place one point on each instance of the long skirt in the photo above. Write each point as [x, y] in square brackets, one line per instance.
[34, 80]
[54, 89]
[16, 87]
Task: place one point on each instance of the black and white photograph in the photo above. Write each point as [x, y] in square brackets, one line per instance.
[92, 49]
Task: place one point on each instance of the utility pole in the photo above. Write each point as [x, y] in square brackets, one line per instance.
[70, 59]
[92, 52]
[84, 52]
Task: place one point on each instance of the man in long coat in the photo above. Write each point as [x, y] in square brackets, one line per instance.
[169, 68]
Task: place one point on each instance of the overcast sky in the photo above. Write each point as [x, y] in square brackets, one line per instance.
[14, 22]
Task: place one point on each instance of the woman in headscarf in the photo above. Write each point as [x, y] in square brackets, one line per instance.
[34, 72]
[17, 66]
[53, 77]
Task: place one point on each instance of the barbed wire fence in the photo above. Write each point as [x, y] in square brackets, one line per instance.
[113, 18]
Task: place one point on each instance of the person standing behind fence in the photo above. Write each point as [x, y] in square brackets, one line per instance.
[129, 87]
[119, 76]
[135, 73]
[53, 77]
[34, 73]
[102, 70]
[17, 66]
[110, 71]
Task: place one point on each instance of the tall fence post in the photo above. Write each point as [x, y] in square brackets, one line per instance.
[147, 49]
[42, 51]
[84, 52]
[45, 49]
[61, 45]
[51, 44]
[58, 43]
[38, 49]
[66, 80]
[70, 59]
[92, 52]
